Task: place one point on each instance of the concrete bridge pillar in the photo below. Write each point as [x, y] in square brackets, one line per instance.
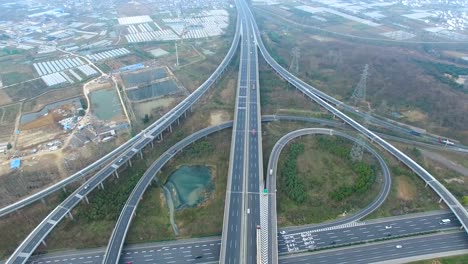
[440, 200]
[43, 201]
[178, 121]
[44, 243]
[86, 199]
[152, 144]
[116, 174]
[185, 114]
[130, 162]
[101, 185]
[170, 128]
[64, 189]
[141, 154]
[70, 215]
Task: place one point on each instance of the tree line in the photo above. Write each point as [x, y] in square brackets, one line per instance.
[293, 186]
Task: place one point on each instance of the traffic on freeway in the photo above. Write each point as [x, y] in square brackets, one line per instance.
[309, 91]
[271, 183]
[187, 250]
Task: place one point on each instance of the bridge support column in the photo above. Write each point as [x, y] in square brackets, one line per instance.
[101, 185]
[141, 154]
[426, 184]
[170, 128]
[178, 121]
[185, 114]
[70, 215]
[43, 201]
[86, 199]
[152, 144]
[44, 243]
[116, 174]
[64, 189]
[160, 136]
[191, 108]
[130, 162]
[440, 200]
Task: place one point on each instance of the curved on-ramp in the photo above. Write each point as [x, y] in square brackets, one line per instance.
[451, 201]
[271, 185]
[120, 230]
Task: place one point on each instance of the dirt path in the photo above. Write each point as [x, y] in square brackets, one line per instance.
[446, 162]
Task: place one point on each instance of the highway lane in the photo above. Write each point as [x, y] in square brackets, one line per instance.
[271, 181]
[232, 250]
[309, 91]
[27, 247]
[124, 221]
[390, 250]
[120, 230]
[191, 249]
[255, 159]
[62, 211]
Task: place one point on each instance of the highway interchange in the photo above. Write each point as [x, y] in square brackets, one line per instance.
[242, 212]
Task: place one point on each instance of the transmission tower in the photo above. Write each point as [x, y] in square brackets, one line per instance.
[177, 55]
[294, 66]
[359, 94]
[358, 150]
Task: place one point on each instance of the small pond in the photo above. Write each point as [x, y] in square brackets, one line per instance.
[105, 104]
[190, 185]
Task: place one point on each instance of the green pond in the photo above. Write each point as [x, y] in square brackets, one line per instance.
[190, 186]
[105, 104]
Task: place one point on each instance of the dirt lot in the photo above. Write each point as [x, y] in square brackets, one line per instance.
[218, 117]
[8, 115]
[4, 98]
[406, 191]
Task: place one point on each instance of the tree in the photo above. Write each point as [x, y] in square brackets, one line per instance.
[9, 146]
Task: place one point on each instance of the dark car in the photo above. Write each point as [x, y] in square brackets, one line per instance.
[198, 257]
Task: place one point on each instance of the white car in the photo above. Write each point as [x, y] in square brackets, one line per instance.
[283, 232]
[398, 246]
[388, 227]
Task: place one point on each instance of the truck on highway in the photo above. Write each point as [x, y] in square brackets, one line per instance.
[271, 172]
[446, 142]
[259, 245]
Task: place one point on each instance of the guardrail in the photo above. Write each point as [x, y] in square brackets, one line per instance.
[27, 247]
[445, 195]
[117, 238]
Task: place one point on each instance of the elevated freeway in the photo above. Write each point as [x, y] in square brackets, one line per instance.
[32, 241]
[242, 206]
[312, 93]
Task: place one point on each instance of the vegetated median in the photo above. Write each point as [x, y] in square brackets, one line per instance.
[318, 181]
